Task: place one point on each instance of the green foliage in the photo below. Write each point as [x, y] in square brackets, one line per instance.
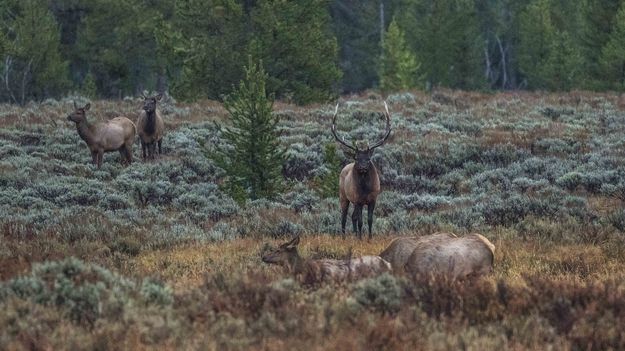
[327, 185]
[381, 293]
[613, 53]
[253, 166]
[445, 37]
[208, 39]
[31, 59]
[294, 41]
[398, 69]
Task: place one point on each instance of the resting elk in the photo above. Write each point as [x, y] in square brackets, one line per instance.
[150, 126]
[117, 134]
[441, 254]
[312, 271]
[359, 182]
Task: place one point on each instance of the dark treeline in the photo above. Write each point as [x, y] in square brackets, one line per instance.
[310, 49]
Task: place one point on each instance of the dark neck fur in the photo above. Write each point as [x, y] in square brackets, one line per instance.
[150, 123]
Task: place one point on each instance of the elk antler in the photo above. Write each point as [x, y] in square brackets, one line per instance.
[388, 129]
[342, 141]
[75, 106]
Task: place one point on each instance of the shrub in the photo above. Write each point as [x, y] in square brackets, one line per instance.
[381, 293]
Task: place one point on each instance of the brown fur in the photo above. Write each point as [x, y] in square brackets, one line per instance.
[441, 254]
[312, 271]
[151, 131]
[117, 134]
[444, 254]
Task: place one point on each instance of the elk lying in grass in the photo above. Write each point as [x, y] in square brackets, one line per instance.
[310, 270]
[359, 182]
[117, 134]
[151, 127]
[441, 254]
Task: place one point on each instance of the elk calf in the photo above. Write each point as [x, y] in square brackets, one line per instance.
[117, 134]
[359, 181]
[310, 270]
[151, 127]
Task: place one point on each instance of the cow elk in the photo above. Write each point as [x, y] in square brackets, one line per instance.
[150, 126]
[441, 254]
[117, 134]
[311, 271]
[359, 182]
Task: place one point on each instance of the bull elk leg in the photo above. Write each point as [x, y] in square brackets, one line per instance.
[357, 220]
[160, 151]
[344, 209]
[143, 149]
[94, 158]
[370, 208]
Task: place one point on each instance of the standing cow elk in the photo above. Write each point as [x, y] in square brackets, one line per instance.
[117, 134]
[151, 127]
[313, 271]
[359, 182]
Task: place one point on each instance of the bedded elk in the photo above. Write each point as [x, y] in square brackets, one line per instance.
[359, 182]
[312, 271]
[151, 127]
[441, 254]
[117, 134]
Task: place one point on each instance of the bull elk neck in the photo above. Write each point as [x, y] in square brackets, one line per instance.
[359, 182]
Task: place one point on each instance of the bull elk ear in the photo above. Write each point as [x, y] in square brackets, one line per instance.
[87, 106]
[159, 97]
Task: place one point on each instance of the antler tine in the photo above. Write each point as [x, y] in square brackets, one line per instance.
[388, 128]
[336, 111]
[75, 106]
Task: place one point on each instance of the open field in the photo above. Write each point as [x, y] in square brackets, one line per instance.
[157, 256]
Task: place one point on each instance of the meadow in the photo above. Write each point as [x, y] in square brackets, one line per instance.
[157, 256]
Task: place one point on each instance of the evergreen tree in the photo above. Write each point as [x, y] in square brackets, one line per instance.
[207, 41]
[32, 62]
[122, 57]
[446, 39]
[596, 26]
[398, 67]
[254, 166]
[300, 51]
[613, 54]
[537, 35]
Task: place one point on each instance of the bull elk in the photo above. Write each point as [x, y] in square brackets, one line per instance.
[312, 271]
[117, 134]
[359, 182]
[150, 126]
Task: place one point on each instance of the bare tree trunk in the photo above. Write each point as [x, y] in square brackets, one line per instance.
[504, 66]
[8, 61]
[381, 24]
[24, 78]
[488, 72]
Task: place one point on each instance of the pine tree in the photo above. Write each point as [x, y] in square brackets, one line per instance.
[398, 67]
[207, 39]
[254, 167]
[536, 41]
[446, 39]
[595, 32]
[613, 54]
[295, 41]
[35, 69]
